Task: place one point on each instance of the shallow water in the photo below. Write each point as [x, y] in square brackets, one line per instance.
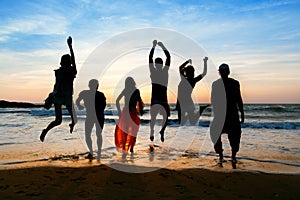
[271, 136]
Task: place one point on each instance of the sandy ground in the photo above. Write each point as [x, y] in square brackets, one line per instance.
[73, 178]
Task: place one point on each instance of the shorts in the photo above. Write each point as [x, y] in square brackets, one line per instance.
[63, 100]
[165, 106]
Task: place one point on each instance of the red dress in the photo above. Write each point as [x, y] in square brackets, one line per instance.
[128, 126]
[126, 130]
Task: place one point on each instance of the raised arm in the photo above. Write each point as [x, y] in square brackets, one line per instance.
[181, 67]
[69, 41]
[151, 65]
[199, 77]
[168, 59]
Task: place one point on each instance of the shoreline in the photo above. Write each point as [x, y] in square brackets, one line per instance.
[188, 160]
[101, 181]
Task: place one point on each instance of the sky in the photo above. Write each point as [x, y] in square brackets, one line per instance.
[260, 40]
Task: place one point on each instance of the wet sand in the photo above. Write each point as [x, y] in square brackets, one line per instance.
[80, 179]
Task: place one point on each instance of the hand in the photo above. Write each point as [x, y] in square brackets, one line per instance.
[154, 43]
[119, 113]
[80, 107]
[205, 59]
[242, 118]
[160, 44]
[190, 61]
[69, 41]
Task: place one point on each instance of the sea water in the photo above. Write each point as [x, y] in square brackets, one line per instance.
[271, 133]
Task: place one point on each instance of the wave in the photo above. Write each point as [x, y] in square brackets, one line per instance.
[64, 112]
[8, 143]
[14, 111]
[252, 125]
[272, 108]
[258, 117]
[273, 125]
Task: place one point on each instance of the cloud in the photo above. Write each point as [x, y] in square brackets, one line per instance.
[35, 24]
[4, 38]
[250, 36]
[265, 5]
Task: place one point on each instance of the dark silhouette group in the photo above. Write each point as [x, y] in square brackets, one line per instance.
[226, 102]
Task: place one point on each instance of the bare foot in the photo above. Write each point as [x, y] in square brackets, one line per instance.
[42, 136]
[71, 127]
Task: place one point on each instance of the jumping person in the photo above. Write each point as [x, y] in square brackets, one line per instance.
[63, 90]
[159, 74]
[185, 105]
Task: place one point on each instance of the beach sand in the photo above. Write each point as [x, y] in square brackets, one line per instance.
[81, 179]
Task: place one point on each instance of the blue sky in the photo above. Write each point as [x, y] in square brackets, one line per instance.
[259, 39]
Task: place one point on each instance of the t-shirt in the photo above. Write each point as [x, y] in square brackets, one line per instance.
[159, 80]
[64, 78]
[94, 102]
[225, 98]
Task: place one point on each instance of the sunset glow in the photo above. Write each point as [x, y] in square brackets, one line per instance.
[260, 41]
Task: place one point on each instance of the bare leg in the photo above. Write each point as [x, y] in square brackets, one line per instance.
[154, 112]
[164, 125]
[99, 139]
[184, 118]
[88, 131]
[56, 122]
[194, 117]
[202, 108]
[233, 156]
[73, 115]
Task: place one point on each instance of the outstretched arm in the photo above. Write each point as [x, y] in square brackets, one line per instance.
[168, 60]
[151, 65]
[198, 78]
[69, 41]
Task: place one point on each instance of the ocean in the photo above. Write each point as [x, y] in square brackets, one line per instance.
[270, 134]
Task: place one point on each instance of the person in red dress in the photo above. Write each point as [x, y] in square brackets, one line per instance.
[128, 124]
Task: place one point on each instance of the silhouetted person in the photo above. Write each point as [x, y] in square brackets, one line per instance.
[159, 74]
[129, 122]
[185, 105]
[63, 90]
[226, 102]
[94, 103]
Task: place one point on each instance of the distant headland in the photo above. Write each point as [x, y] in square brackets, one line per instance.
[11, 104]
